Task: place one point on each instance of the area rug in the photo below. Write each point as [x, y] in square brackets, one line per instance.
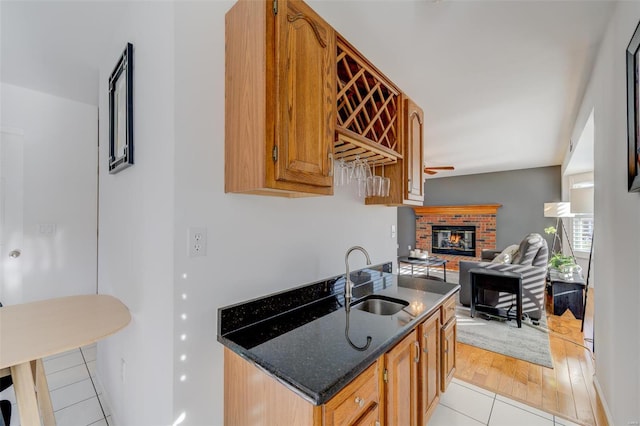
[528, 343]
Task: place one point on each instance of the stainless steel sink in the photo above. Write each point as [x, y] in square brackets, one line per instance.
[380, 305]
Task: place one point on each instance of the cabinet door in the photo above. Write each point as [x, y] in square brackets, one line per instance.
[414, 151]
[448, 352]
[305, 52]
[401, 365]
[429, 333]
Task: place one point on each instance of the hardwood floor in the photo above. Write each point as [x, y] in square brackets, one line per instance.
[567, 390]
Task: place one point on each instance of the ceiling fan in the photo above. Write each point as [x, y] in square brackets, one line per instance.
[432, 170]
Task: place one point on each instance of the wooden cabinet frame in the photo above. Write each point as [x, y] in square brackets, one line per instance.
[401, 391]
[407, 175]
[402, 387]
[298, 96]
[413, 134]
[279, 99]
[429, 334]
[448, 336]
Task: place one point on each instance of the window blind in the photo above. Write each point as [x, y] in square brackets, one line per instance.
[582, 231]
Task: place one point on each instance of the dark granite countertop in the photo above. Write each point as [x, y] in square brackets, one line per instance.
[298, 336]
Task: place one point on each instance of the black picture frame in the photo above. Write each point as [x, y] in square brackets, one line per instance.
[633, 111]
[121, 112]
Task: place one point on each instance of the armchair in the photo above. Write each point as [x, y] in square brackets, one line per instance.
[530, 260]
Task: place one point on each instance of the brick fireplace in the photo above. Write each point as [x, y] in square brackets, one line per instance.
[482, 217]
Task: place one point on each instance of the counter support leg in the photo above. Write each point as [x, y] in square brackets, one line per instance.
[26, 397]
[42, 393]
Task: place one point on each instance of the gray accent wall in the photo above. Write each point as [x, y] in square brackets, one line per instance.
[522, 194]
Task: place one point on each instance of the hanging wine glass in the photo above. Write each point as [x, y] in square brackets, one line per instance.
[386, 184]
[370, 186]
[344, 172]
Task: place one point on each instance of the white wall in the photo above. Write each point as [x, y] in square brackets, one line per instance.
[60, 191]
[257, 245]
[617, 225]
[136, 223]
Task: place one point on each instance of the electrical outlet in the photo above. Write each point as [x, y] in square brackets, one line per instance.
[197, 242]
[393, 231]
[48, 229]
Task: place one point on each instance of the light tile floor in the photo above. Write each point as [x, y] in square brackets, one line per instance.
[78, 400]
[464, 404]
[75, 393]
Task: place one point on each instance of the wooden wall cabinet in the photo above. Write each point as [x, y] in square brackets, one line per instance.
[407, 175]
[280, 99]
[414, 151]
[297, 95]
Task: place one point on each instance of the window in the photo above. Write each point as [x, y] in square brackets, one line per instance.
[582, 207]
[582, 231]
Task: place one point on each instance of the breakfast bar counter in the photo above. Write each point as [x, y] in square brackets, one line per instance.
[32, 331]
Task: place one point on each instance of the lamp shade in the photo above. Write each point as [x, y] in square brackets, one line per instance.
[561, 209]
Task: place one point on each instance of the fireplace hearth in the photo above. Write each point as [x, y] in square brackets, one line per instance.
[456, 240]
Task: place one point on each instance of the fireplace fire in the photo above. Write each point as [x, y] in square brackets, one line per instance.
[456, 240]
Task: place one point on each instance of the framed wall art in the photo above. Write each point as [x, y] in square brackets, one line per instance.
[121, 113]
[633, 111]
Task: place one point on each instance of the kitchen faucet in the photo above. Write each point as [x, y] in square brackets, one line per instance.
[348, 285]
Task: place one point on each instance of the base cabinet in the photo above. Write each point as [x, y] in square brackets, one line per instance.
[357, 403]
[370, 418]
[401, 372]
[429, 333]
[448, 356]
[401, 388]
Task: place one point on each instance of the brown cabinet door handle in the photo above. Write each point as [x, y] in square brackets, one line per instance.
[417, 358]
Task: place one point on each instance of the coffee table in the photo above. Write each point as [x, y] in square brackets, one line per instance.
[428, 262]
[32, 331]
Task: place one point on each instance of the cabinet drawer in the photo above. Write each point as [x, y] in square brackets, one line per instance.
[359, 398]
[370, 418]
[448, 310]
